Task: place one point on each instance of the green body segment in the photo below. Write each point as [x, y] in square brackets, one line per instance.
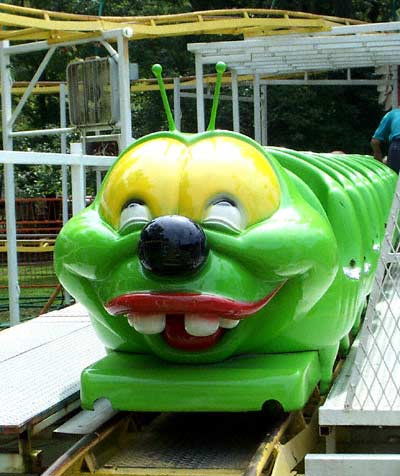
[307, 233]
[242, 383]
[357, 204]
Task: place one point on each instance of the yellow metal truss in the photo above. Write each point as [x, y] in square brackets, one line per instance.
[143, 85]
[27, 24]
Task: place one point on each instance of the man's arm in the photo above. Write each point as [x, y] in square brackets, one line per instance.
[376, 147]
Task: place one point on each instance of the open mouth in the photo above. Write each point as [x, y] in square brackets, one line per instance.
[187, 321]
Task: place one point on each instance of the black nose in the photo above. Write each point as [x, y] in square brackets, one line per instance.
[172, 246]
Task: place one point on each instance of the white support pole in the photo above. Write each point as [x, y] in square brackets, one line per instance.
[199, 94]
[257, 109]
[12, 257]
[98, 180]
[63, 117]
[395, 93]
[9, 187]
[330, 441]
[235, 101]
[44, 45]
[124, 90]
[42, 132]
[177, 103]
[78, 181]
[110, 49]
[31, 85]
[55, 158]
[264, 115]
[64, 168]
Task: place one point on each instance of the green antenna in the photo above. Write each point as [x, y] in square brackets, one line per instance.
[220, 68]
[157, 71]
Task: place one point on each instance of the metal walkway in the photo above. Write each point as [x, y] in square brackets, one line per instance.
[40, 366]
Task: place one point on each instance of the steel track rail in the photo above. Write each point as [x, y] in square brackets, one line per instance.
[282, 439]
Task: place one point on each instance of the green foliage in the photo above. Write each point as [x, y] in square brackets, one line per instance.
[37, 180]
[327, 118]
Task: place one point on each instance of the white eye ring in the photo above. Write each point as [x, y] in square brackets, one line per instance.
[225, 213]
[134, 213]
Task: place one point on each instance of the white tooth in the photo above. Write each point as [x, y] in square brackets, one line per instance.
[147, 324]
[199, 325]
[228, 323]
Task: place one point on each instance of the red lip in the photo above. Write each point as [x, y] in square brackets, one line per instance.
[172, 303]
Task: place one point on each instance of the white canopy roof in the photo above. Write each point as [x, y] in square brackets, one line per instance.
[343, 47]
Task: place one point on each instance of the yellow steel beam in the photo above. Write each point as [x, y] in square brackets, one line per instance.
[225, 26]
[40, 13]
[7, 19]
[31, 24]
[144, 85]
[175, 17]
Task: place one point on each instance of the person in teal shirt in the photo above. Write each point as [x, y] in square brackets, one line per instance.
[388, 131]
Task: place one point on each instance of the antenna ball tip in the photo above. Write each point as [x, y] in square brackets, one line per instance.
[156, 69]
[220, 67]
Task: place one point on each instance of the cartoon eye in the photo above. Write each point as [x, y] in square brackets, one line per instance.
[225, 213]
[135, 212]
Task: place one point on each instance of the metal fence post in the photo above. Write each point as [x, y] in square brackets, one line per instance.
[264, 115]
[257, 108]
[124, 87]
[9, 187]
[63, 139]
[78, 181]
[235, 101]
[177, 103]
[199, 94]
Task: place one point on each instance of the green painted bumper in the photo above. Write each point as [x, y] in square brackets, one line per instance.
[244, 383]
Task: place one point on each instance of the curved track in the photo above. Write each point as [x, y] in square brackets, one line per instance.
[27, 24]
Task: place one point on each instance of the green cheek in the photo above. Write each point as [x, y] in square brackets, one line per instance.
[86, 252]
[284, 247]
[90, 248]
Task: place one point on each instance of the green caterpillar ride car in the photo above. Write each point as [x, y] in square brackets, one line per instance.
[220, 274]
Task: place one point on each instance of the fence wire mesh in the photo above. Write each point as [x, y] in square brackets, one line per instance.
[38, 221]
[375, 378]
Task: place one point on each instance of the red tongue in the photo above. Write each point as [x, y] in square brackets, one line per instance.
[177, 337]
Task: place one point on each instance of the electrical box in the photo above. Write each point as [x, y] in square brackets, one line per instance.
[93, 92]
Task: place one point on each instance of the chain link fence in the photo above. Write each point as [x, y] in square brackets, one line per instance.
[38, 221]
[375, 376]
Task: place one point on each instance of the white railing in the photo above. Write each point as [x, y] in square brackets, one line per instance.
[78, 164]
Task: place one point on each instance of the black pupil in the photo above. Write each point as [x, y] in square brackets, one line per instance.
[225, 203]
[132, 204]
